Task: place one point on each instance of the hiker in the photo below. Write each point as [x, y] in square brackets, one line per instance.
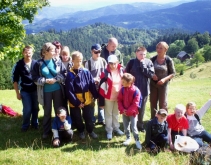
[164, 71]
[128, 107]
[28, 89]
[58, 49]
[110, 85]
[81, 92]
[65, 57]
[142, 69]
[156, 136]
[111, 48]
[96, 65]
[61, 127]
[196, 130]
[177, 124]
[49, 76]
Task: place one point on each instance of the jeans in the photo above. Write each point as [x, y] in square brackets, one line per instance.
[100, 114]
[140, 123]
[203, 136]
[30, 109]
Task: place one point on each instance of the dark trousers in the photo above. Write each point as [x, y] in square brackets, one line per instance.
[77, 114]
[174, 133]
[141, 110]
[66, 135]
[160, 141]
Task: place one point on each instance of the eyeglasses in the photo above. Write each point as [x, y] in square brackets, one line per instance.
[96, 52]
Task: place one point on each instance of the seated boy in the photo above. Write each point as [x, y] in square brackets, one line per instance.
[157, 131]
[177, 124]
[61, 127]
[196, 130]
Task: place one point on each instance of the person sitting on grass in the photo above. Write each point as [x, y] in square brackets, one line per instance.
[61, 127]
[156, 136]
[177, 124]
[128, 103]
[196, 130]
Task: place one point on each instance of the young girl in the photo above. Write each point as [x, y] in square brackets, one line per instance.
[196, 130]
[128, 103]
[110, 84]
[65, 57]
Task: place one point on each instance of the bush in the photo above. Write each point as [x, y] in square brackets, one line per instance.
[192, 75]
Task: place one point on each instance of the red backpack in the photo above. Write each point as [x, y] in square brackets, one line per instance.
[8, 111]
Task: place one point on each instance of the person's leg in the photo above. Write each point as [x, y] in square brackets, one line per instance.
[108, 116]
[101, 116]
[76, 114]
[35, 110]
[153, 98]
[87, 115]
[206, 136]
[126, 124]
[162, 96]
[140, 123]
[133, 121]
[115, 116]
[199, 141]
[48, 96]
[162, 139]
[66, 135]
[57, 100]
[27, 106]
[93, 114]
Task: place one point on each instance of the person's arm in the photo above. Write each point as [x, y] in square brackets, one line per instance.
[133, 108]
[120, 102]
[204, 109]
[18, 95]
[147, 69]
[184, 132]
[171, 145]
[36, 77]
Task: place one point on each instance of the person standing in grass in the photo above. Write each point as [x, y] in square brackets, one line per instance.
[109, 87]
[142, 69]
[81, 90]
[157, 132]
[61, 127]
[28, 91]
[128, 103]
[196, 130]
[48, 75]
[177, 124]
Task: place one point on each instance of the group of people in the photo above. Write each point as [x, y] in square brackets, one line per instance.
[75, 87]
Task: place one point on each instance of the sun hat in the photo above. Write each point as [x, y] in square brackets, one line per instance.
[112, 58]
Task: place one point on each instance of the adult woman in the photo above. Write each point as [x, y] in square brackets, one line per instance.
[48, 75]
[164, 71]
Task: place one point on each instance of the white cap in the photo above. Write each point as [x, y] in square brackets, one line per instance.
[112, 58]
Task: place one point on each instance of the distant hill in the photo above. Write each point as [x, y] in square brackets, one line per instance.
[193, 16]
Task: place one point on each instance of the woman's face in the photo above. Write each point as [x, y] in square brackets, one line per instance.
[161, 50]
[50, 53]
[113, 65]
[65, 56]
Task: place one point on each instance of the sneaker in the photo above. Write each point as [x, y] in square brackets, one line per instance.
[119, 132]
[82, 135]
[127, 142]
[109, 136]
[93, 135]
[138, 145]
[100, 123]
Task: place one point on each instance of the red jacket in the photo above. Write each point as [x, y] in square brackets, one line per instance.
[128, 101]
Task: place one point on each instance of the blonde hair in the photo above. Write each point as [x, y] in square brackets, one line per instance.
[46, 48]
[164, 44]
[66, 50]
[190, 104]
[180, 107]
[129, 78]
[76, 54]
[141, 48]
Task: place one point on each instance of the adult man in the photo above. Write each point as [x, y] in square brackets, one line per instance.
[28, 91]
[111, 48]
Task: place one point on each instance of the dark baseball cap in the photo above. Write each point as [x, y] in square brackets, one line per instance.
[96, 47]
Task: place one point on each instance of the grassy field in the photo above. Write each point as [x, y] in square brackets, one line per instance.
[28, 148]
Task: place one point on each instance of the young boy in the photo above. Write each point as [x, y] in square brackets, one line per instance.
[61, 127]
[128, 103]
[196, 130]
[81, 91]
[96, 65]
[177, 124]
[157, 131]
[28, 91]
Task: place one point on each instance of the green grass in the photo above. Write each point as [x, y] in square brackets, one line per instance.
[27, 148]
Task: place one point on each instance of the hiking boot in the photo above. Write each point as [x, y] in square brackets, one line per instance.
[138, 145]
[82, 135]
[93, 135]
[127, 142]
[109, 136]
[119, 132]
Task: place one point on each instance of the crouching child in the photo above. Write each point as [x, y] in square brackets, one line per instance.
[61, 127]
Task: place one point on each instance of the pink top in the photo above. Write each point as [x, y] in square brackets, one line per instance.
[116, 85]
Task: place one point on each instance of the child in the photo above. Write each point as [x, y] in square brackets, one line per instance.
[196, 130]
[81, 90]
[110, 85]
[61, 127]
[96, 65]
[177, 124]
[65, 57]
[128, 103]
[157, 131]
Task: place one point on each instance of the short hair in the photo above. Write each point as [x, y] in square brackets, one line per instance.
[164, 44]
[76, 54]
[190, 104]
[60, 109]
[129, 78]
[141, 48]
[46, 48]
[180, 107]
[112, 40]
[28, 47]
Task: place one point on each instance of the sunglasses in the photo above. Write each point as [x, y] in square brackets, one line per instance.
[96, 52]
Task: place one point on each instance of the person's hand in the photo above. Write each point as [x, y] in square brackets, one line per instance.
[81, 105]
[102, 107]
[161, 82]
[19, 96]
[56, 142]
[50, 80]
[67, 126]
[154, 77]
[125, 112]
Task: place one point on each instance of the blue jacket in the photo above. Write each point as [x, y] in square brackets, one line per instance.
[80, 87]
[22, 72]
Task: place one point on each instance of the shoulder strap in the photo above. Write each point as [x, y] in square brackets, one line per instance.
[197, 117]
[104, 62]
[48, 69]
[153, 58]
[167, 58]
[89, 65]
[134, 94]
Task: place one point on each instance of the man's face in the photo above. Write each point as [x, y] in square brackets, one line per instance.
[141, 55]
[112, 46]
[27, 54]
[96, 54]
[77, 62]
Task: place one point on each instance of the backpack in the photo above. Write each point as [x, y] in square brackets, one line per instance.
[8, 111]
[134, 94]
[196, 116]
